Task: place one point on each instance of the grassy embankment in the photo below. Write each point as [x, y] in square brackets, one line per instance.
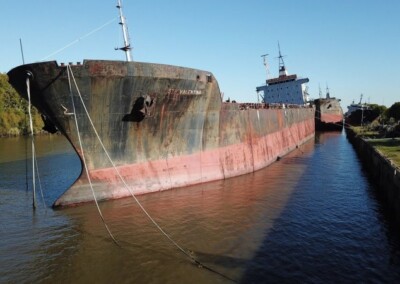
[389, 147]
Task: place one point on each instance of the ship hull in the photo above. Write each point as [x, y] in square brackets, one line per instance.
[361, 117]
[142, 127]
[328, 115]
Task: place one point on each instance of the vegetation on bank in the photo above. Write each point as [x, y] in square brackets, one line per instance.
[14, 118]
[385, 123]
[386, 115]
[384, 133]
[390, 148]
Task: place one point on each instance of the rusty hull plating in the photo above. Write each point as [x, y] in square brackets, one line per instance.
[163, 126]
[328, 114]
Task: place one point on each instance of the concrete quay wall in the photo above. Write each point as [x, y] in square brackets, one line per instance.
[383, 171]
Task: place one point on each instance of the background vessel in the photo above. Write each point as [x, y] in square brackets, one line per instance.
[328, 113]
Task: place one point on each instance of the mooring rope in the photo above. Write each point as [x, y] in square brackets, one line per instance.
[34, 159]
[188, 254]
[117, 171]
[28, 91]
[26, 155]
[84, 159]
[40, 183]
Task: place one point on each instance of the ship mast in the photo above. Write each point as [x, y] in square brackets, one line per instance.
[282, 68]
[127, 46]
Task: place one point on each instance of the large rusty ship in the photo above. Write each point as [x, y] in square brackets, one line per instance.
[144, 127]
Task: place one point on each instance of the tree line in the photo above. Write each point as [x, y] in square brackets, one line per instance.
[387, 115]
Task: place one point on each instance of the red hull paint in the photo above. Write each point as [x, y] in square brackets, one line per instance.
[192, 169]
[331, 118]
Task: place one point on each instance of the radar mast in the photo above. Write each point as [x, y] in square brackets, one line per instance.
[282, 68]
[328, 96]
[127, 46]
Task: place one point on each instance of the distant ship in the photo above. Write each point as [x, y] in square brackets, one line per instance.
[142, 127]
[359, 113]
[328, 113]
[354, 107]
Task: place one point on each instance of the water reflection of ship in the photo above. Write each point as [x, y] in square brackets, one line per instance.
[328, 113]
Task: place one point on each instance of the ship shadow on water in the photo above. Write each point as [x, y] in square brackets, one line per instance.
[330, 231]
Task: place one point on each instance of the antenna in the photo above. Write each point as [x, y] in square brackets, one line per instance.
[320, 92]
[328, 96]
[127, 46]
[281, 62]
[22, 51]
[264, 56]
[282, 68]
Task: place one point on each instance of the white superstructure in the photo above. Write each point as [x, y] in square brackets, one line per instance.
[354, 107]
[285, 89]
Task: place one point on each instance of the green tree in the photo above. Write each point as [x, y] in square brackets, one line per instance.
[14, 111]
[393, 112]
[378, 109]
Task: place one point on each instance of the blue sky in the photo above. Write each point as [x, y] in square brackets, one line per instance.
[353, 46]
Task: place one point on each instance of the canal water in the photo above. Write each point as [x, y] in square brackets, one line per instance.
[312, 217]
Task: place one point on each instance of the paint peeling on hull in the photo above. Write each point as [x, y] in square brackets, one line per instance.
[163, 126]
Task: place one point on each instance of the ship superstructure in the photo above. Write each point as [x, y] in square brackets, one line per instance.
[354, 107]
[285, 89]
[360, 113]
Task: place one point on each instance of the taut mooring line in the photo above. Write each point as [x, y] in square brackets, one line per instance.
[28, 91]
[83, 156]
[188, 254]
